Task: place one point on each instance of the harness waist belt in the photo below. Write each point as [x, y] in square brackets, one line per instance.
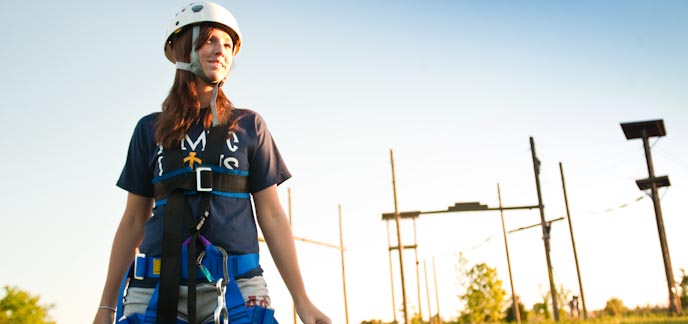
[203, 179]
[149, 267]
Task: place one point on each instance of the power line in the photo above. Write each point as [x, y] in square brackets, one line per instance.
[620, 206]
[479, 245]
[676, 159]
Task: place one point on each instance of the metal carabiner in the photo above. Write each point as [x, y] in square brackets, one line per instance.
[221, 310]
[204, 270]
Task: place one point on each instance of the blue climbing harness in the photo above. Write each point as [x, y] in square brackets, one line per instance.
[215, 267]
[180, 259]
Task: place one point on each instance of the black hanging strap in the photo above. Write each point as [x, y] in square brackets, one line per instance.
[178, 222]
[217, 136]
[170, 259]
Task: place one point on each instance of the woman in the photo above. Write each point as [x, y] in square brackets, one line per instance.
[191, 172]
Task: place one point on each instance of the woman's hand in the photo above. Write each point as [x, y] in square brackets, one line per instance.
[104, 316]
[309, 314]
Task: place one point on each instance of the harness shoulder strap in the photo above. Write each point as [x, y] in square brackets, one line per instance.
[170, 261]
[177, 224]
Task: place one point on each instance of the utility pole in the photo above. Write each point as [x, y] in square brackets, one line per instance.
[415, 243]
[517, 311]
[399, 242]
[573, 242]
[545, 230]
[427, 290]
[437, 294]
[341, 245]
[645, 130]
[391, 274]
[458, 207]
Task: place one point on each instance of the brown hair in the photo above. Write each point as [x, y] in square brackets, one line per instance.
[181, 109]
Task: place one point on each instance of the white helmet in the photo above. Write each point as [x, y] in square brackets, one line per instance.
[198, 12]
[192, 15]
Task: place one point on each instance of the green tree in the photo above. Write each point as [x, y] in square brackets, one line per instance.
[484, 297]
[416, 319]
[541, 310]
[509, 314]
[615, 307]
[563, 299]
[18, 306]
[684, 289]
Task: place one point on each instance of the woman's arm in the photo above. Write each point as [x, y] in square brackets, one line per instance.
[127, 238]
[277, 232]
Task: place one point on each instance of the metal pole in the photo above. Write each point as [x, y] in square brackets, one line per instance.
[391, 274]
[545, 230]
[437, 294]
[415, 249]
[573, 241]
[673, 300]
[341, 245]
[517, 311]
[427, 290]
[399, 242]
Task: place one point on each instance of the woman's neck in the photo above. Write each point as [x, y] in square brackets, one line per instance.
[205, 92]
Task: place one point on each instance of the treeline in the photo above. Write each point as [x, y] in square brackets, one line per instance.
[486, 301]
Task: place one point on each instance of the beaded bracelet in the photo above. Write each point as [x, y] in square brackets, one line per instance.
[108, 307]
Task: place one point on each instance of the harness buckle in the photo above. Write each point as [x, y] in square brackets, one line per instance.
[142, 257]
[204, 173]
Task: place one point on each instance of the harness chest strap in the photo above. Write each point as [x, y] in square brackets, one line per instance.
[205, 178]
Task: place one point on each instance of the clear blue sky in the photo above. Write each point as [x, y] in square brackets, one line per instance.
[456, 88]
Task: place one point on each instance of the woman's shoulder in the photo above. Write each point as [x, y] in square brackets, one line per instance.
[150, 118]
[245, 112]
[145, 127]
[148, 121]
[246, 116]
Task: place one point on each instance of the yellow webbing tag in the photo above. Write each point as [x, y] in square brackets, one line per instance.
[156, 266]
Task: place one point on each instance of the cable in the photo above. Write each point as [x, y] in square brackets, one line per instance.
[624, 205]
[481, 243]
[676, 159]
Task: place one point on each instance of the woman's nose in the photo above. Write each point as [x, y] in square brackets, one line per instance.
[220, 49]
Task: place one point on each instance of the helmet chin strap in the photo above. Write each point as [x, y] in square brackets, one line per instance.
[213, 99]
[195, 68]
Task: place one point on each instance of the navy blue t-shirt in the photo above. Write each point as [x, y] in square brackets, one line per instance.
[248, 151]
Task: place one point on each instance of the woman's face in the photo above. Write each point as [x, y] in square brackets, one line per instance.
[216, 56]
